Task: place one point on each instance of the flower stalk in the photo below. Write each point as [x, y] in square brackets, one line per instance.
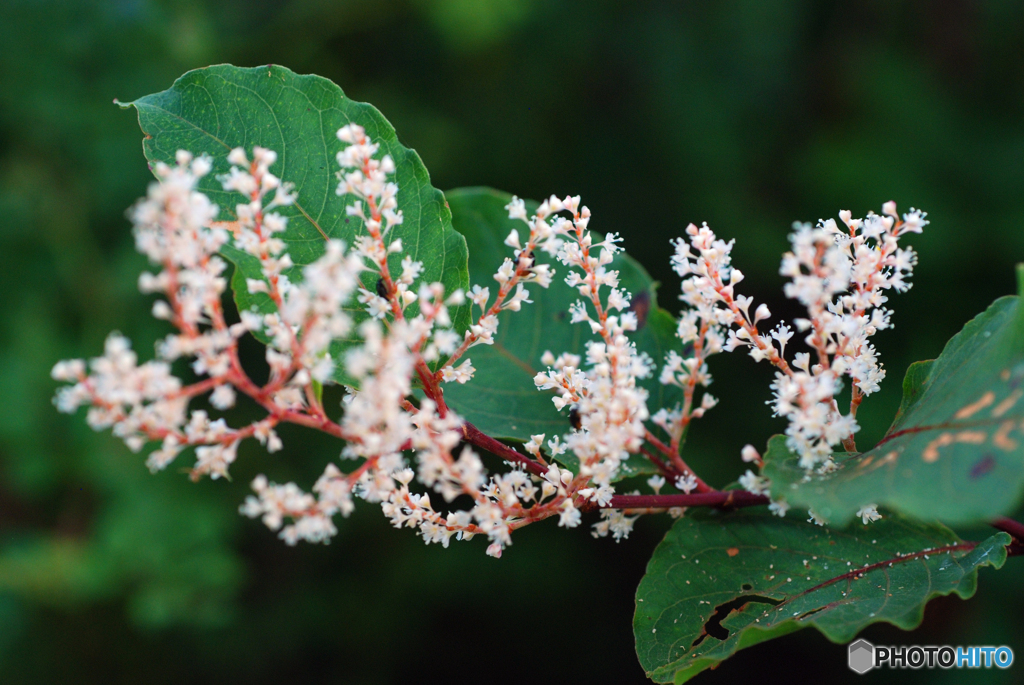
[407, 450]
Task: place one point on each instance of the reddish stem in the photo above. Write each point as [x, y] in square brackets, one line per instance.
[474, 436]
[677, 461]
[714, 498]
[1008, 525]
[666, 469]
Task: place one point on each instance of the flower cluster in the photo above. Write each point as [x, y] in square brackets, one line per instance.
[609, 405]
[839, 275]
[715, 319]
[511, 277]
[146, 402]
[299, 312]
[406, 444]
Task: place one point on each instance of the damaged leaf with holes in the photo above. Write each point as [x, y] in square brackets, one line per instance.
[212, 110]
[955, 451]
[719, 583]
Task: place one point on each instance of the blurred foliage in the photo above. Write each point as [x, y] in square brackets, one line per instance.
[746, 113]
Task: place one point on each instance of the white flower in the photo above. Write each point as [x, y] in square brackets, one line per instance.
[687, 483]
[569, 516]
[461, 374]
[514, 303]
[505, 271]
[816, 518]
[869, 513]
[616, 522]
[751, 482]
[223, 397]
[479, 296]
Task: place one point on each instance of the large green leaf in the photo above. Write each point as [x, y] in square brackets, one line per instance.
[215, 109]
[718, 583]
[956, 449]
[502, 399]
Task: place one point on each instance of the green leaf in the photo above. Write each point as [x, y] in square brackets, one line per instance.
[718, 583]
[956, 449]
[502, 399]
[215, 109]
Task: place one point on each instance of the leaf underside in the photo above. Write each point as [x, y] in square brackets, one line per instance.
[720, 582]
[502, 399]
[215, 109]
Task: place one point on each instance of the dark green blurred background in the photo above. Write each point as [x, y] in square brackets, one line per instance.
[746, 114]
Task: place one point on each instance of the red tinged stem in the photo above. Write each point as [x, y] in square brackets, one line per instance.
[475, 436]
[714, 498]
[1014, 528]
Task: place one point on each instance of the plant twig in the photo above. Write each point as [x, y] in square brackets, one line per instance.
[1014, 528]
[714, 498]
[666, 469]
[475, 436]
[677, 461]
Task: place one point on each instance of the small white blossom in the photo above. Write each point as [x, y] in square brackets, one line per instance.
[461, 374]
[569, 516]
[686, 483]
[750, 455]
[816, 518]
[615, 522]
[751, 482]
[869, 513]
[656, 483]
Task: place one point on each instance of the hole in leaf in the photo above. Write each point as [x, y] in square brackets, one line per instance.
[714, 627]
[747, 587]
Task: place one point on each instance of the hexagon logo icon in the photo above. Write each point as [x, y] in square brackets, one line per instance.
[861, 656]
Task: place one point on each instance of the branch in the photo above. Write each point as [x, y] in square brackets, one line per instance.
[677, 461]
[714, 498]
[474, 436]
[666, 469]
[1014, 528]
